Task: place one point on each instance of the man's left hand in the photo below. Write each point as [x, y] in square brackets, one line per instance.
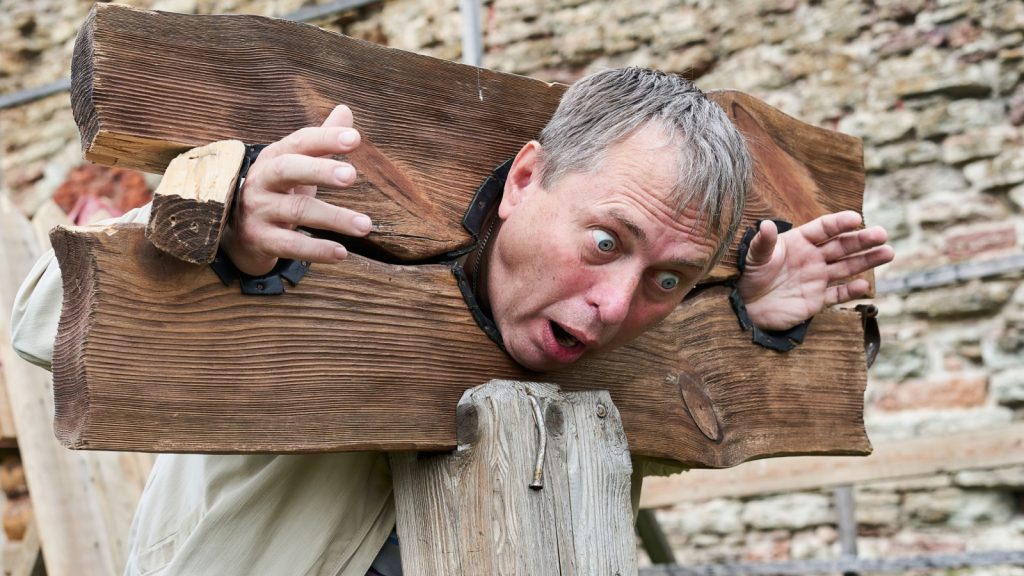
[791, 277]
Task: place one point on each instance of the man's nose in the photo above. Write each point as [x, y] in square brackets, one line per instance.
[613, 296]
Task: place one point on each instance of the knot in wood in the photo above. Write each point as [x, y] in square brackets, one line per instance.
[698, 404]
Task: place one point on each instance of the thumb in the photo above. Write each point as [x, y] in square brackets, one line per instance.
[340, 117]
[763, 245]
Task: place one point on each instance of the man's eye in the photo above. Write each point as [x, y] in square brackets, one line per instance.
[605, 242]
[667, 280]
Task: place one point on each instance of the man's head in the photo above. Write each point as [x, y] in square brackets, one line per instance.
[628, 199]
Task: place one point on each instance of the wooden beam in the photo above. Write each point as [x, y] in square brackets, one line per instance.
[154, 354]
[483, 510]
[150, 85]
[191, 204]
[986, 448]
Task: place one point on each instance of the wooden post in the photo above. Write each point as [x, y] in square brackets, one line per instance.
[473, 511]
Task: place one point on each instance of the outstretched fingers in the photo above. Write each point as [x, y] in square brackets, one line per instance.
[824, 228]
[296, 245]
[316, 141]
[296, 210]
[285, 172]
[861, 262]
[850, 243]
[842, 293]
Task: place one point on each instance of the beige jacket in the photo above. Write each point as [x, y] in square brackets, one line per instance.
[321, 514]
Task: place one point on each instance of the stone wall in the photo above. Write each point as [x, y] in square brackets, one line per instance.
[933, 87]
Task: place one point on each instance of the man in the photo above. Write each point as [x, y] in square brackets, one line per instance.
[628, 198]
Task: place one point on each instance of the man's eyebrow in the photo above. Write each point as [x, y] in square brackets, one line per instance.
[637, 232]
[689, 264]
[629, 225]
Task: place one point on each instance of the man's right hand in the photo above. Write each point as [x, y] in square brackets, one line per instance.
[279, 195]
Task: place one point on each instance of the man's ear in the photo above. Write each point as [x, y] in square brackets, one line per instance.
[523, 178]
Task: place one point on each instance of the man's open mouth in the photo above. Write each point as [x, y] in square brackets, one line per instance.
[564, 339]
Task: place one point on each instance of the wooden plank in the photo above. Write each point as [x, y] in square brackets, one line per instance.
[81, 531]
[191, 205]
[150, 85]
[479, 510]
[8, 432]
[987, 448]
[154, 354]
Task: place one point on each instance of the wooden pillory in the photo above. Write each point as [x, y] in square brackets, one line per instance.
[156, 354]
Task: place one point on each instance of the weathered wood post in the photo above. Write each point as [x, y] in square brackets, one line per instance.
[485, 508]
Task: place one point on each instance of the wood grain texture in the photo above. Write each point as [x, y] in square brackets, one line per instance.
[472, 511]
[891, 460]
[148, 85]
[191, 204]
[155, 354]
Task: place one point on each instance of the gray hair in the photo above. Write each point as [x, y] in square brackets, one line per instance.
[608, 107]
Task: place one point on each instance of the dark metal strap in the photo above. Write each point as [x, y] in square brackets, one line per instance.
[270, 284]
[781, 340]
[872, 338]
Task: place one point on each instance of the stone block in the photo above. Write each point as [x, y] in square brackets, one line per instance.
[791, 511]
[1003, 348]
[1005, 170]
[1017, 106]
[692, 62]
[891, 216]
[974, 298]
[814, 544]
[931, 507]
[951, 80]
[1010, 336]
[1010, 17]
[575, 44]
[969, 242]
[676, 27]
[944, 118]
[512, 30]
[919, 182]
[1007, 536]
[981, 507]
[882, 426]
[982, 143]
[901, 358]
[754, 70]
[767, 547]
[955, 391]
[944, 209]
[879, 127]
[1016, 195]
[902, 154]
[912, 542]
[877, 508]
[1009, 478]
[718, 516]
[1008, 387]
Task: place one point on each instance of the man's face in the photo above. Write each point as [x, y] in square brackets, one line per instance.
[595, 260]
